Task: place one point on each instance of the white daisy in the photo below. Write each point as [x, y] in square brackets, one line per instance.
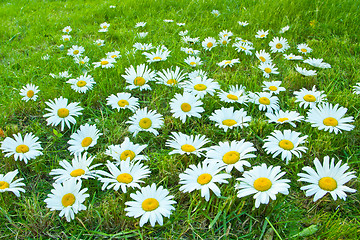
[243, 47]
[239, 39]
[197, 73]
[225, 33]
[189, 40]
[60, 112]
[114, 54]
[99, 42]
[317, 62]
[236, 94]
[231, 154]
[161, 54]
[243, 23]
[201, 86]
[264, 182]
[273, 87]
[185, 144]
[8, 185]
[169, 77]
[129, 174]
[305, 72]
[328, 178]
[105, 63]
[24, 149]
[68, 197]
[29, 92]
[180, 24]
[330, 118]
[266, 101]
[304, 48]
[292, 57]
[268, 68]
[140, 24]
[64, 74]
[216, 13]
[203, 177]
[263, 56]
[190, 51]
[279, 45]
[66, 38]
[186, 105]
[193, 61]
[168, 20]
[144, 120]
[127, 150]
[151, 204]
[67, 29]
[75, 51]
[142, 34]
[82, 60]
[282, 117]
[82, 84]
[356, 88]
[309, 98]
[227, 118]
[223, 41]
[183, 33]
[123, 101]
[285, 143]
[261, 33]
[139, 78]
[228, 62]
[83, 139]
[209, 43]
[78, 169]
[104, 27]
[143, 46]
[284, 29]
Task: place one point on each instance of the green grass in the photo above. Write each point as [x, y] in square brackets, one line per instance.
[31, 29]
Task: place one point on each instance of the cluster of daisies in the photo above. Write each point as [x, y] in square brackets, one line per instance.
[128, 169]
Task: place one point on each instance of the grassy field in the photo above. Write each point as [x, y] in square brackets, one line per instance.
[32, 29]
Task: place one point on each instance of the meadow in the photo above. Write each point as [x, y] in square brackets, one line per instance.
[33, 29]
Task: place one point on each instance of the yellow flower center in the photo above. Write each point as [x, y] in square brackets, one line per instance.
[171, 81]
[327, 183]
[67, 30]
[232, 97]
[68, 199]
[229, 122]
[124, 178]
[204, 178]
[66, 39]
[188, 148]
[113, 56]
[150, 204]
[264, 100]
[139, 81]
[123, 103]
[262, 35]
[224, 42]
[304, 50]
[309, 98]
[267, 70]
[330, 121]
[282, 119]
[227, 62]
[86, 142]
[286, 144]
[145, 123]
[279, 45]
[273, 88]
[77, 172]
[192, 63]
[209, 44]
[99, 44]
[225, 35]
[127, 154]
[82, 62]
[185, 107]
[262, 59]
[262, 184]
[105, 26]
[22, 148]
[157, 58]
[4, 185]
[76, 52]
[200, 87]
[291, 57]
[30, 94]
[189, 51]
[81, 83]
[104, 62]
[231, 157]
[63, 112]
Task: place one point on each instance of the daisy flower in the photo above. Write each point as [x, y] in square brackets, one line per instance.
[161, 54]
[223, 41]
[82, 84]
[231, 154]
[183, 33]
[273, 87]
[143, 46]
[99, 42]
[330, 118]
[266, 101]
[142, 34]
[317, 62]
[169, 77]
[305, 72]
[115, 54]
[140, 24]
[129, 174]
[279, 45]
[209, 43]
[123, 101]
[29, 92]
[190, 51]
[8, 185]
[127, 150]
[104, 27]
[328, 178]
[201, 86]
[193, 61]
[189, 40]
[185, 144]
[75, 51]
[197, 73]
[263, 56]
[180, 24]
[186, 105]
[268, 68]
[285, 143]
[216, 13]
[304, 48]
[105, 63]
[243, 23]
[261, 33]
[60, 112]
[151, 204]
[24, 149]
[284, 29]
[144, 120]
[282, 117]
[225, 33]
[309, 98]
[168, 20]
[243, 47]
[68, 198]
[64, 74]
[78, 169]
[112, 6]
[82, 60]
[238, 39]
[139, 78]
[203, 177]
[67, 29]
[83, 139]
[227, 118]
[292, 57]
[228, 62]
[66, 38]
[236, 94]
[356, 88]
[264, 182]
